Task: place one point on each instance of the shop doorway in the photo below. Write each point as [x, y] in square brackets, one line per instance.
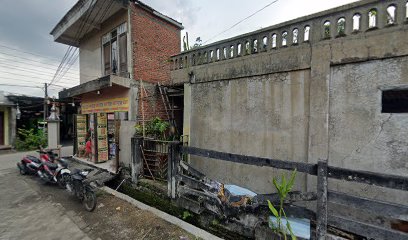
[102, 130]
[177, 103]
[1, 128]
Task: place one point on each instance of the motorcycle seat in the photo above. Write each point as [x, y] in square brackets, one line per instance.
[34, 159]
[51, 165]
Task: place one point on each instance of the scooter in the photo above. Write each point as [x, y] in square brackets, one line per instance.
[30, 164]
[50, 172]
[80, 187]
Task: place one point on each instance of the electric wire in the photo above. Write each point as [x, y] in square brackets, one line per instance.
[20, 57]
[70, 64]
[26, 69]
[28, 81]
[77, 35]
[15, 85]
[34, 54]
[37, 78]
[67, 53]
[27, 59]
[17, 74]
[239, 22]
[34, 65]
[107, 7]
[94, 20]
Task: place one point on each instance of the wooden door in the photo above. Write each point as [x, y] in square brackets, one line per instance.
[1, 128]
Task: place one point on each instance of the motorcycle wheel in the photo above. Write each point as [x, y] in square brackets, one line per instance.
[89, 200]
[22, 168]
[43, 179]
[62, 180]
[70, 188]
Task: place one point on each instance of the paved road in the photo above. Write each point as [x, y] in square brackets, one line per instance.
[30, 210]
[24, 213]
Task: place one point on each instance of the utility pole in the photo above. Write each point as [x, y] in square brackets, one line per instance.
[45, 101]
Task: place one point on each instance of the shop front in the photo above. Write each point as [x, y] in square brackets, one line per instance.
[102, 113]
[99, 123]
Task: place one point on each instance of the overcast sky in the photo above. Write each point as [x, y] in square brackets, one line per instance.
[28, 55]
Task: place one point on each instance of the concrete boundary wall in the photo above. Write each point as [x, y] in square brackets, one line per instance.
[344, 70]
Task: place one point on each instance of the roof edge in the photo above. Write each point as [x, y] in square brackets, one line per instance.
[168, 19]
[73, 9]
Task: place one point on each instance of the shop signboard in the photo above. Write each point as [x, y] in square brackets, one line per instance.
[92, 118]
[108, 105]
[81, 130]
[102, 137]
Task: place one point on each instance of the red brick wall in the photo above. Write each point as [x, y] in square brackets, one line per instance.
[152, 103]
[154, 41]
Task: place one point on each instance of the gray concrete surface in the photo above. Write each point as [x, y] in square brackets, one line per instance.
[25, 214]
[198, 232]
[31, 210]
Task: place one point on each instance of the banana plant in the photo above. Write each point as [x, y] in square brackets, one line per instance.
[283, 188]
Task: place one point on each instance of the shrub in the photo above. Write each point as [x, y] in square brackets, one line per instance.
[155, 128]
[30, 139]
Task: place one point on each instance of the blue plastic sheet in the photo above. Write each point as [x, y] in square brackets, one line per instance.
[300, 226]
[239, 191]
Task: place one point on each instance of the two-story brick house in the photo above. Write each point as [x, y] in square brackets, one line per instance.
[123, 45]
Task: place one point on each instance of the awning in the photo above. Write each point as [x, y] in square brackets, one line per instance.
[97, 84]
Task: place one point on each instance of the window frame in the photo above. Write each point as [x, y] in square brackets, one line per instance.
[108, 39]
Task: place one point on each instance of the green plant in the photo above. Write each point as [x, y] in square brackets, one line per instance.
[186, 215]
[30, 139]
[155, 128]
[215, 222]
[186, 44]
[283, 188]
[139, 129]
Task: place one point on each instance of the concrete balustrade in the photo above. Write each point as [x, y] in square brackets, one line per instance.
[221, 51]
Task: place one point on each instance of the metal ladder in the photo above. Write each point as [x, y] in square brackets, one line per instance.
[167, 105]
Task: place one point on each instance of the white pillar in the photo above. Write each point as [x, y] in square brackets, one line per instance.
[53, 133]
[53, 125]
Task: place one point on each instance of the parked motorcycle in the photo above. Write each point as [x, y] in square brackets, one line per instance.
[79, 186]
[50, 172]
[31, 164]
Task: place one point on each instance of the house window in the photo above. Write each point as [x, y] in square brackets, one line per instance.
[115, 51]
[395, 101]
